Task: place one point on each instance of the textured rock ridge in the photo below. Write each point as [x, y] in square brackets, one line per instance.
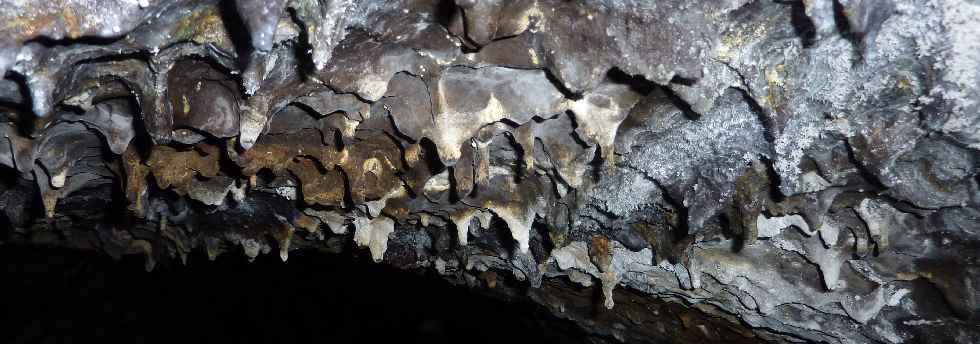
[717, 171]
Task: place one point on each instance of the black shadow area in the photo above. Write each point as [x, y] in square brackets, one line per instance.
[63, 296]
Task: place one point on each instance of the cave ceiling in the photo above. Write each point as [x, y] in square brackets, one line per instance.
[785, 171]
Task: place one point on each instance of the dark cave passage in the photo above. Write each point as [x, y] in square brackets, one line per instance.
[63, 296]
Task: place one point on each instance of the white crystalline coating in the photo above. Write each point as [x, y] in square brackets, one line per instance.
[373, 234]
[250, 82]
[770, 227]
[790, 148]
[830, 80]
[730, 136]
[287, 192]
[962, 19]
[821, 12]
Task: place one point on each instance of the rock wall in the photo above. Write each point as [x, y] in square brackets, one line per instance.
[730, 170]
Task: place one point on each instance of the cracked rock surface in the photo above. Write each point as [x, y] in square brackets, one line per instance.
[653, 171]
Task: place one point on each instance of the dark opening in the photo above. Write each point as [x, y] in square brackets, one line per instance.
[63, 296]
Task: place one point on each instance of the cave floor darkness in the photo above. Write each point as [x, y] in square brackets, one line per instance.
[62, 296]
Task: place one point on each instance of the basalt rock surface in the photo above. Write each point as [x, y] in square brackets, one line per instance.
[654, 171]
